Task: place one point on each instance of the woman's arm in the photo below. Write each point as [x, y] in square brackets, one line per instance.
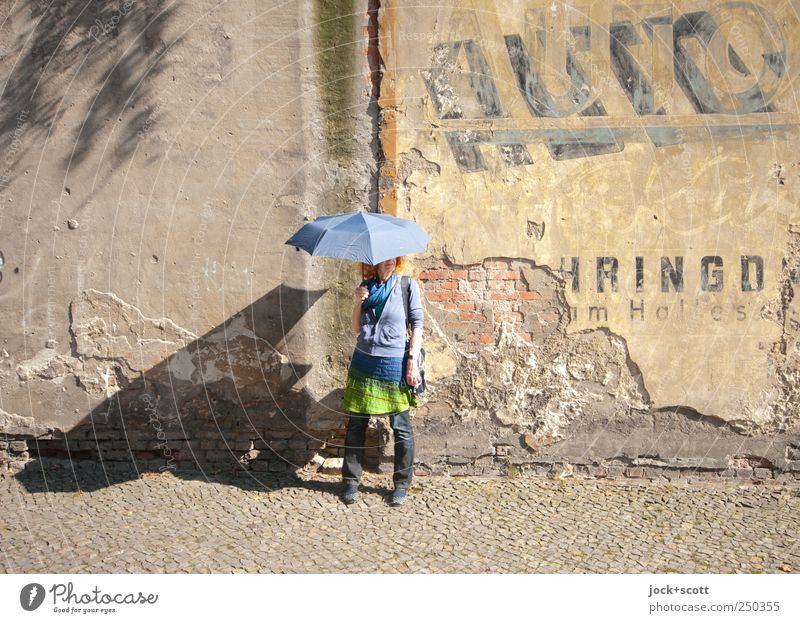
[416, 342]
[412, 369]
[416, 320]
[361, 295]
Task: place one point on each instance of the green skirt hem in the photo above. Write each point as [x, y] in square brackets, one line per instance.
[364, 394]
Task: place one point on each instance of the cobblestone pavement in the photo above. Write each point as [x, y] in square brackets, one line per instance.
[173, 523]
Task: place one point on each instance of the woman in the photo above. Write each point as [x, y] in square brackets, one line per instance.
[382, 373]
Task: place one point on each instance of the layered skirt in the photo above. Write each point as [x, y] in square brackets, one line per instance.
[376, 385]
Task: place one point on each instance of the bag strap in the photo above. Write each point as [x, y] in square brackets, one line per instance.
[405, 285]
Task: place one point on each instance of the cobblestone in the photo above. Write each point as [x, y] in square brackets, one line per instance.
[286, 524]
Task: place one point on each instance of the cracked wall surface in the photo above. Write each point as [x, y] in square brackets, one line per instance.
[641, 157]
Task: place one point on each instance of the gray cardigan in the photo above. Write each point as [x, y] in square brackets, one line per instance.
[386, 336]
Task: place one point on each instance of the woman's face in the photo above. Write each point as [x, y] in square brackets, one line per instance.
[385, 269]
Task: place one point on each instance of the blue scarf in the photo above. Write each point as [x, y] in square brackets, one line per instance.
[378, 294]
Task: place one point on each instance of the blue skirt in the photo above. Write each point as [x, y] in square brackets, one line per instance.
[383, 368]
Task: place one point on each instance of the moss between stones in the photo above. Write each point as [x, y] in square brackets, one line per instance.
[335, 53]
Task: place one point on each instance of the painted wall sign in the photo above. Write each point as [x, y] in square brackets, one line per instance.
[646, 152]
[729, 62]
[711, 273]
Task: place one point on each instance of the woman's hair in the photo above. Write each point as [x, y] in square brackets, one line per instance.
[368, 272]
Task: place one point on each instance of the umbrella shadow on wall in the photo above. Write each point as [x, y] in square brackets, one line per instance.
[228, 406]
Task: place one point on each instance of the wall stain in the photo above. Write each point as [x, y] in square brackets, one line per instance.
[336, 49]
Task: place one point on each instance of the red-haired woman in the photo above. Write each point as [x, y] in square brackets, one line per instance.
[382, 372]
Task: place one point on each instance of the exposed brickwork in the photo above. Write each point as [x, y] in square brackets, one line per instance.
[13, 453]
[479, 298]
[286, 451]
[377, 445]
[214, 446]
[225, 449]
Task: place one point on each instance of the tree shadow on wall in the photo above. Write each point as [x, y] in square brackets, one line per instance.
[228, 406]
[120, 42]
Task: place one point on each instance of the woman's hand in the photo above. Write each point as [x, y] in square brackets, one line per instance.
[412, 372]
[361, 294]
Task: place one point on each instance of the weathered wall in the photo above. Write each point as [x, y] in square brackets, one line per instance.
[613, 196]
[155, 156]
[610, 186]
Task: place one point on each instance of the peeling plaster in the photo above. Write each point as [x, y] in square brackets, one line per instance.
[535, 230]
[106, 327]
[412, 171]
[782, 414]
[13, 424]
[114, 344]
[46, 364]
[538, 390]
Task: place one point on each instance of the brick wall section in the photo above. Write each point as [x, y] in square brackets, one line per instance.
[377, 446]
[232, 447]
[209, 449]
[479, 298]
[13, 453]
[285, 451]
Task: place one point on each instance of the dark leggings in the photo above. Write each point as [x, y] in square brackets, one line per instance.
[355, 438]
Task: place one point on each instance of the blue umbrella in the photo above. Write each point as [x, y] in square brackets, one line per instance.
[361, 237]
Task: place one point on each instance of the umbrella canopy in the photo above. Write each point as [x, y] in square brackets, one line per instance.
[361, 237]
